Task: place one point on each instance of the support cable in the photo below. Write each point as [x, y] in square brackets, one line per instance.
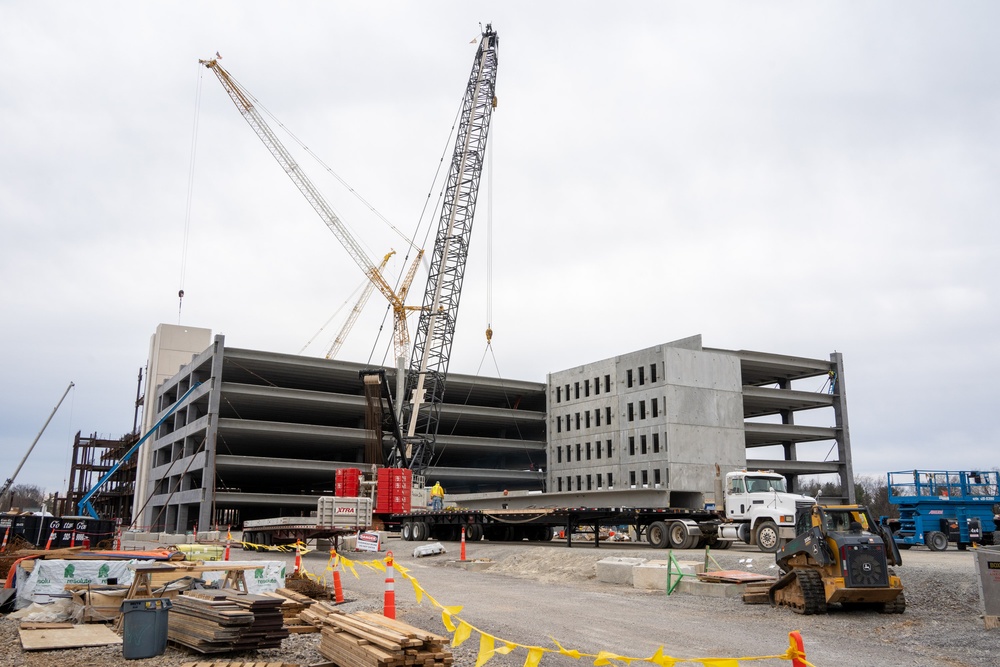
[190, 193]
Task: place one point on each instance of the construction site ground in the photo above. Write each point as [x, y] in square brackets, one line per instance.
[538, 595]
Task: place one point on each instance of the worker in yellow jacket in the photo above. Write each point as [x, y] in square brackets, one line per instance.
[437, 497]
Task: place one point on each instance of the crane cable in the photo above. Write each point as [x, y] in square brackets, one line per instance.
[190, 192]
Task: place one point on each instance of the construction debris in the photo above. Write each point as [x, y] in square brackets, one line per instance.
[365, 639]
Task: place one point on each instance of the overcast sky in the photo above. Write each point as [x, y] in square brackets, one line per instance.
[797, 178]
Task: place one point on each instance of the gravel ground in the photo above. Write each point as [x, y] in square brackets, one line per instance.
[534, 594]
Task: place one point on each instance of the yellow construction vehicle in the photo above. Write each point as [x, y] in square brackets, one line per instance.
[841, 555]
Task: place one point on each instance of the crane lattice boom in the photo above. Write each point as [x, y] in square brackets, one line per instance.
[436, 328]
[242, 100]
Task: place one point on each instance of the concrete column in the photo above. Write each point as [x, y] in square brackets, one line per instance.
[843, 430]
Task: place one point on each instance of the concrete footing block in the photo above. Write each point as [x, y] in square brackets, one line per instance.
[617, 570]
[709, 589]
[652, 575]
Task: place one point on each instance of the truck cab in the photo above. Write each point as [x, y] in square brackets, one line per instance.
[760, 503]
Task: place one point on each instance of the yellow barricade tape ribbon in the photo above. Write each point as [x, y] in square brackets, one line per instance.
[462, 631]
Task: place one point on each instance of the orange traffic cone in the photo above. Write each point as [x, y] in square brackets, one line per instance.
[52, 535]
[3, 546]
[463, 544]
[298, 559]
[389, 603]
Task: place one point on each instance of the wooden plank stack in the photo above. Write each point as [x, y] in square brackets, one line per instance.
[317, 613]
[364, 639]
[226, 663]
[217, 621]
[292, 606]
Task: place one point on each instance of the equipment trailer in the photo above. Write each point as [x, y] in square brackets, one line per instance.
[335, 516]
[756, 509]
[663, 527]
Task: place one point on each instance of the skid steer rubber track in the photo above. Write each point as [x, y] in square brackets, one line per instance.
[801, 590]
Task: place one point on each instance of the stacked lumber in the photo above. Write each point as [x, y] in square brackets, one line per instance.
[292, 605]
[218, 621]
[364, 639]
[227, 663]
[316, 615]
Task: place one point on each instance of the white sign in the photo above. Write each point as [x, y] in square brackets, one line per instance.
[368, 541]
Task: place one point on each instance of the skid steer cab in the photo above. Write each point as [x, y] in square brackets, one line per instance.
[841, 556]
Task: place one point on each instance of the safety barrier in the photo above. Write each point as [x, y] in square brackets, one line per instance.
[490, 645]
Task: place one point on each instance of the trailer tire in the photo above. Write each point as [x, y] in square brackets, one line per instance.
[766, 537]
[420, 530]
[656, 535]
[936, 540]
[406, 530]
[678, 536]
[473, 532]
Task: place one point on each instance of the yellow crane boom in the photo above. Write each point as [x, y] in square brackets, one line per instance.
[242, 99]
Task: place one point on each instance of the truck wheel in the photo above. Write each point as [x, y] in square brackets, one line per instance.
[407, 531]
[473, 532]
[936, 540]
[678, 536]
[766, 537]
[419, 531]
[656, 535]
[721, 544]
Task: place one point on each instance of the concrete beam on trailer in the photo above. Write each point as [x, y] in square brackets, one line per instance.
[486, 474]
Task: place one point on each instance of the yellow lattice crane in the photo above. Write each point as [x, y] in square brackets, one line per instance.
[243, 101]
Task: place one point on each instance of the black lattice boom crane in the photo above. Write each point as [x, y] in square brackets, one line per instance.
[425, 379]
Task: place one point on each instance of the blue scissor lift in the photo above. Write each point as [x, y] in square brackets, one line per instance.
[938, 506]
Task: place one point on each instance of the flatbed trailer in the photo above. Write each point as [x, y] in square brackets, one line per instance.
[677, 528]
[335, 517]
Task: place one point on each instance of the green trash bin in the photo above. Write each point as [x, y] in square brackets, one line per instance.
[144, 627]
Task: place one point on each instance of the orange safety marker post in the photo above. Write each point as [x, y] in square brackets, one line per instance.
[389, 603]
[797, 649]
[463, 544]
[5, 534]
[298, 559]
[338, 589]
[118, 539]
[229, 538]
[48, 545]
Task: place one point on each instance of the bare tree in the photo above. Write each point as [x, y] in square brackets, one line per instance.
[23, 496]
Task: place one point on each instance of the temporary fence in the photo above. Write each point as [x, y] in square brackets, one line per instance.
[490, 645]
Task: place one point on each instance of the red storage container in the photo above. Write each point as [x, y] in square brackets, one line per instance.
[347, 482]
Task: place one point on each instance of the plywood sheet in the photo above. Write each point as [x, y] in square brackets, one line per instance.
[61, 638]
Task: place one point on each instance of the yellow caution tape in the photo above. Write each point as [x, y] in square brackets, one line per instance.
[462, 630]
